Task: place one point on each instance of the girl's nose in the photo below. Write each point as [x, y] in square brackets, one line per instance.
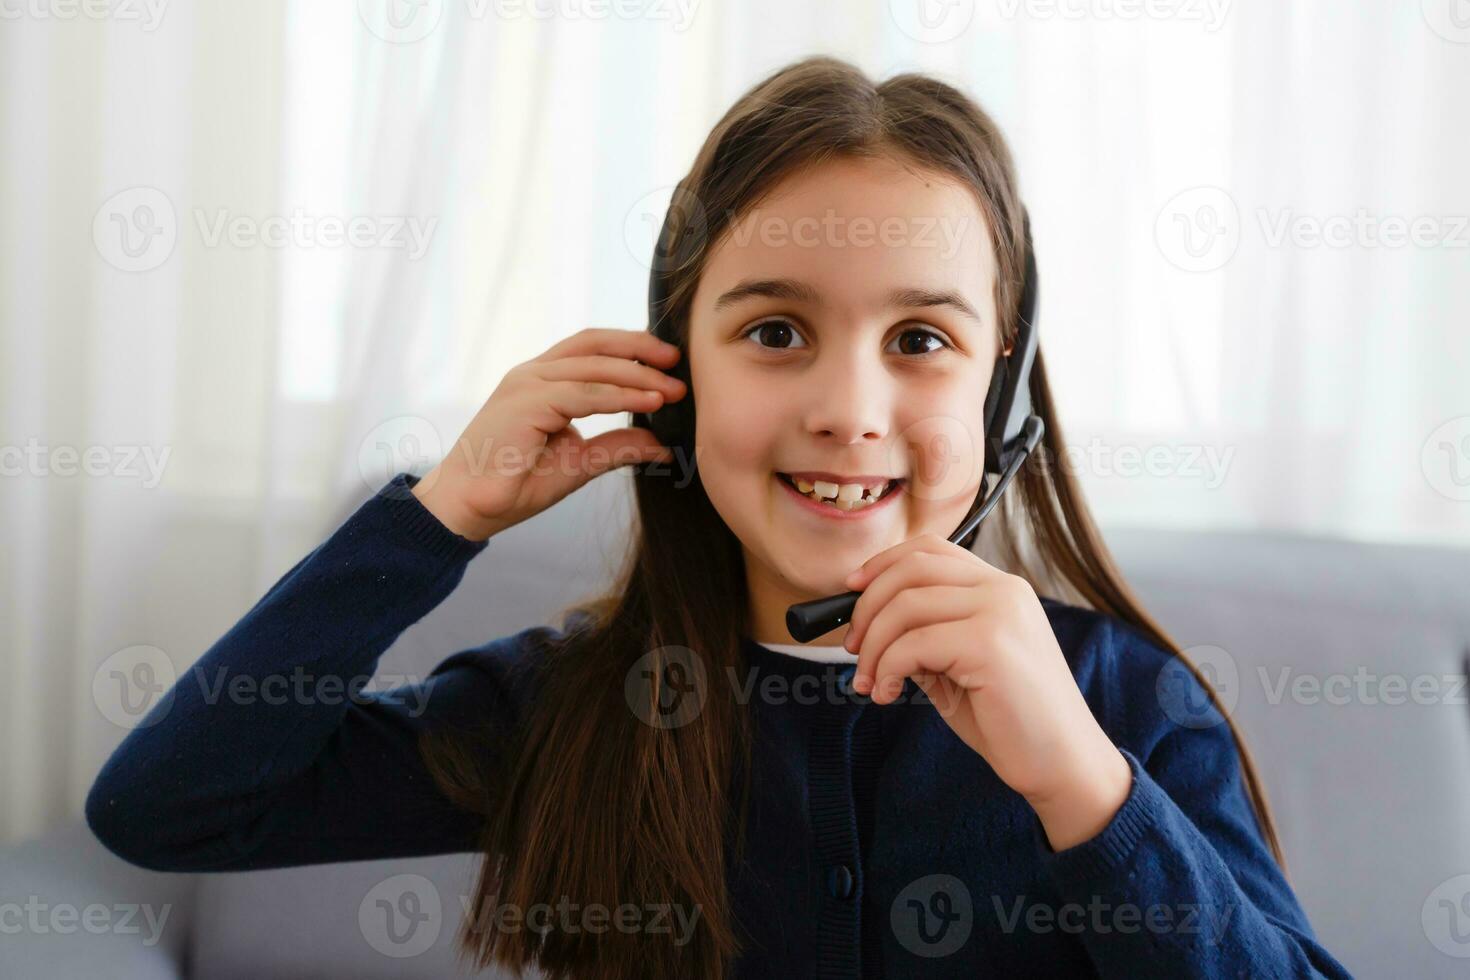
[849, 400]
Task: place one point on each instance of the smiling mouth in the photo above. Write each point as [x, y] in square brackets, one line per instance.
[844, 498]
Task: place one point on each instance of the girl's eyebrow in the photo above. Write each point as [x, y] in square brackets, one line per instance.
[801, 292]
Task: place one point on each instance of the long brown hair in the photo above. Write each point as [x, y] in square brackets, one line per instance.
[586, 802]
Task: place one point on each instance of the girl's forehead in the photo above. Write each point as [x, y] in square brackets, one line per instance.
[853, 268]
[856, 193]
[850, 226]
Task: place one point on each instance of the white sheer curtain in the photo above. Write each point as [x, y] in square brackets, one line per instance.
[197, 378]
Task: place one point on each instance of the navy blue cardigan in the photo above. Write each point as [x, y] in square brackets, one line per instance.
[878, 843]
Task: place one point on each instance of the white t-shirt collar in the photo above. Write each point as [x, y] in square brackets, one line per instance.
[819, 654]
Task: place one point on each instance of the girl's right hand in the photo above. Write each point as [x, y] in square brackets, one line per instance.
[520, 453]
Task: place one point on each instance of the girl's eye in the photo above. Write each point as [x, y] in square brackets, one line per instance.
[781, 333]
[778, 331]
[926, 334]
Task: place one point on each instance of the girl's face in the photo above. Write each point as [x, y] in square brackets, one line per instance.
[845, 326]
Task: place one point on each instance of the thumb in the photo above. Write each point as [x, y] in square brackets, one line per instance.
[623, 447]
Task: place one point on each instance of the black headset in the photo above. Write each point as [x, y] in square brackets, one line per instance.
[1012, 430]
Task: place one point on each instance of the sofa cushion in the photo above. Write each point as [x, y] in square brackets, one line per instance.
[1319, 645]
[391, 919]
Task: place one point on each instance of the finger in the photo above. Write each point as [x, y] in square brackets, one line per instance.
[910, 610]
[614, 370]
[638, 344]
[919, 651]
[919, 568]
[864, 573]
[575, 399]
[622, 447]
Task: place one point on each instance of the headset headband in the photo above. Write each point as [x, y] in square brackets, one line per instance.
[1009, 397]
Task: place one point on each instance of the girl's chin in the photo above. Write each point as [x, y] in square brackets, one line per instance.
[819, 583]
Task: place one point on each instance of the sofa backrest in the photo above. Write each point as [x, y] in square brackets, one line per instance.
[1346, 663]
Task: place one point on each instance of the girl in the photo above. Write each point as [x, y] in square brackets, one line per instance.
[970, 778]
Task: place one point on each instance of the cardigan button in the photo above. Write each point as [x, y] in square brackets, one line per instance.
[839, 881]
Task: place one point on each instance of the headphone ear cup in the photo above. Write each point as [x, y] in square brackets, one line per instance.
[673, 422]
[994, 427]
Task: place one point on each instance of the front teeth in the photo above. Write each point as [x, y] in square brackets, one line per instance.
[847, 496]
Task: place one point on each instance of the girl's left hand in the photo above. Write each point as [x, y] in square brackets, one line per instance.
[977, 641]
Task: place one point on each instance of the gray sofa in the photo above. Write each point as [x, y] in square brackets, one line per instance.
[1372, 798]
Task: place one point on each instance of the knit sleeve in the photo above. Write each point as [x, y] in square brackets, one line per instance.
[268, 752]
[1181, 878]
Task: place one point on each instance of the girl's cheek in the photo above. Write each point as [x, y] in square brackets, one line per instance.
[745, 424]
[946, 458]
